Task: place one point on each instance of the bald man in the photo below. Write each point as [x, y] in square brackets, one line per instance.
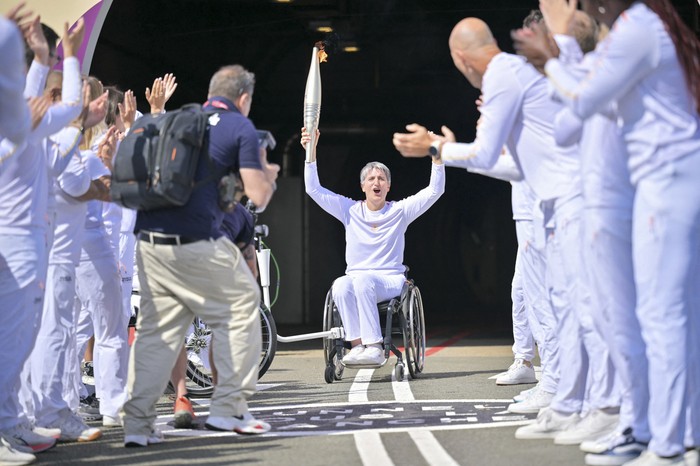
[518, 113]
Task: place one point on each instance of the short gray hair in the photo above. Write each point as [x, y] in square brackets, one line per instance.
[231, 82]
[372, 165]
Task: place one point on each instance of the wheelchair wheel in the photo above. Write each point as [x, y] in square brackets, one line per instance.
[269, 339]
[198, 343]
[414, 333]
[332, 351]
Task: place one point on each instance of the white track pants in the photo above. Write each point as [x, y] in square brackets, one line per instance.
[609, 259]
[99, 290]
[666, 247]
[523, 339]
[54, 352]
[533, 269]
[357, 296]
[585, 366]
[20, 317]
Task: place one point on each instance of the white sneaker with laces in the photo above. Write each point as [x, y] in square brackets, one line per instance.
[538, 400]
[518, 373]
[11, 457]
[525, 394]
[594, 425]
[156, 436]
[25, 440]
[649, 458]
[353, 354]
[111, 421]
[74, 429]
[548, 424]
[372, 355]
[245, 424]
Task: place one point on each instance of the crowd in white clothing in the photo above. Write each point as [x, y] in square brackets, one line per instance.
[595, 124]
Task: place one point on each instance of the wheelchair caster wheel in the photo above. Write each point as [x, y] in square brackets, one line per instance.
[329, 374]
[399, 372]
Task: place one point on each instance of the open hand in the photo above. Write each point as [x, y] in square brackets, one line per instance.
[73, 39]
[36, 41]
[127, 110]
[535, 44]
[558, 14]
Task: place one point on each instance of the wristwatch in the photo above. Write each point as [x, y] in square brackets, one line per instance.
[435, 150]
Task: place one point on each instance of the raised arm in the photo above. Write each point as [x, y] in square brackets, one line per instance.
[333, 203]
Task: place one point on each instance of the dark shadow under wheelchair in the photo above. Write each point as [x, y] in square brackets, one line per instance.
[401, 316]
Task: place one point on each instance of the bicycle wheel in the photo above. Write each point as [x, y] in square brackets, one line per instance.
[269, 339]
[197, 344]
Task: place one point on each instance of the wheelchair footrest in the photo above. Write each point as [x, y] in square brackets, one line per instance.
[364, 366]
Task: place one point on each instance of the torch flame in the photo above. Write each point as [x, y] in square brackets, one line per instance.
[322, 55]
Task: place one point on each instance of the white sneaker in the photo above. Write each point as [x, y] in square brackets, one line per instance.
[525, 394]
[616, 440]
[518, 373]
[156, 436]
[25, 440]
[74, 429]
[649, 458]
[11, 457]
[539, 399]
[46, 432]
[353, 354]
[692, 457]
[548, 424]
[111, 421]
[372, 355]
[595, 425]
[614, 449]
[245, 424]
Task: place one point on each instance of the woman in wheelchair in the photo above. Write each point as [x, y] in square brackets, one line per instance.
[374, 233]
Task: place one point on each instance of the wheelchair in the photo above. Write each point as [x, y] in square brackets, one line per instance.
[401, 316]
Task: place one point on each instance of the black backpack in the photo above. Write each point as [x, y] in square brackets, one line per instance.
[156, 163]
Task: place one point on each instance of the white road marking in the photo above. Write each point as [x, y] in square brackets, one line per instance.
[426, 442]
[371, 449]
[431, 449]
[358, 389]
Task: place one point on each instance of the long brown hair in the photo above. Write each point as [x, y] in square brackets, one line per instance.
[686, 42]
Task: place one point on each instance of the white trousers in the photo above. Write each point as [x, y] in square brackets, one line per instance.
[54, 351]
[586, 369]
[98, 287]
[127, 253]
[608, 247]
[533, 270]
[666, 249]
[523, 338]
[357, 296]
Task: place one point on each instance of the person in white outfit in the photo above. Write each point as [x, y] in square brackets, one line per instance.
[518, 113]
[648, 66]
[374, 233]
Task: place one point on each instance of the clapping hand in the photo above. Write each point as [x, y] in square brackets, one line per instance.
[36, 41]
[127, 110]
[161, 91]
[535, 44]
[73, 39]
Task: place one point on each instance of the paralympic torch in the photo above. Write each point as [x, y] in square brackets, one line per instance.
[312, 99]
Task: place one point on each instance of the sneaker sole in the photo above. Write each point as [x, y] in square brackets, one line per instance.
[608, 460]
[536, 435]
[91, 438]
[509, 382]
[235, 429]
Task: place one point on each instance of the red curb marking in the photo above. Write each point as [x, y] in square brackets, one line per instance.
[437, 348]
[434, 349]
